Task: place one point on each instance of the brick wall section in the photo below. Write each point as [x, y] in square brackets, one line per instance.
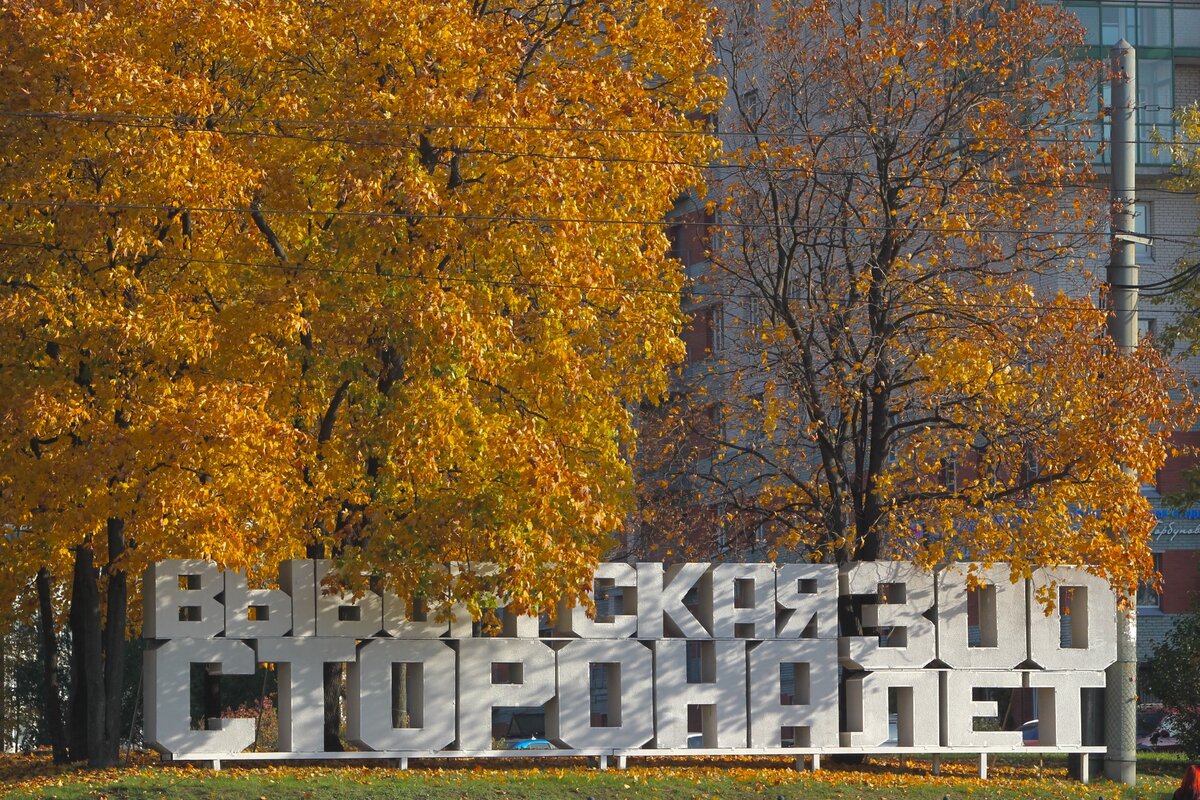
[1181, 580]
[1174, 219]
[1171, 477]
[1172, 216]
[1187, 84]
[699, 337]
[1152, 629]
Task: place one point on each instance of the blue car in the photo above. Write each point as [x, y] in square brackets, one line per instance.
[532, 744]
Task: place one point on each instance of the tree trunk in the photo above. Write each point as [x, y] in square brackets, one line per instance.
[335, 690]
[93, 656]
[211, 697]
[5, 724]
[335, 682]
[114, 645]
[52, 705]
[77, 743]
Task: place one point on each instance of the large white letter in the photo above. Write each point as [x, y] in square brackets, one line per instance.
[660, 600]
[721, 691]
[300, 667]
[814, 692]
[960, 708]
[429, 688]
[1092, 619]
[867, 708]
[272, 610]
[630, 685]
[807, 599]
[743, 601]
[168, 669]
[406, 620]
[342, 615]
[1001, 605]
[531, 667]
[179, 599]
[609, 576]
[1060, 723]
[905, 593]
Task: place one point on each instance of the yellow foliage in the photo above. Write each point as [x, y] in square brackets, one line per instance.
[919, 389]
[373, 275]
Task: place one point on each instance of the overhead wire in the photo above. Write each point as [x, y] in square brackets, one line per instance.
[698, 294]
[534, 219]
[176, 123]
[145, 121]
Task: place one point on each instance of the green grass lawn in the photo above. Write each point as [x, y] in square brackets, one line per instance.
[1019, 778]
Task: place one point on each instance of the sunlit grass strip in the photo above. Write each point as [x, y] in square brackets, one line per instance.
[880, 779]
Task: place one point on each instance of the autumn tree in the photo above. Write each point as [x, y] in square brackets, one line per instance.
[914, 363]
[379, 280]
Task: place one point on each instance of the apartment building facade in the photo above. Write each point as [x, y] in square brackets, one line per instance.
[1167, 37]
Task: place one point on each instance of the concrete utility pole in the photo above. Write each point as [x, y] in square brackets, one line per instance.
[1120, 694]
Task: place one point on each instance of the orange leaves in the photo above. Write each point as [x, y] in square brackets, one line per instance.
[736, 777]
[356, 275]
[918, 389]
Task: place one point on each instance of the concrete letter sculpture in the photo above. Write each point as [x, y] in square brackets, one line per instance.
[814, 692]
[1091, 622]
[168, 667]
[429, 690]
[904, 595]
[753, 649]
[1001, 613]
[300, 663]
[630, 701]
[180, 600]
[529, 674]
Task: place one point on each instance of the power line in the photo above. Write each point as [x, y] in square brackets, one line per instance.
[163, 120]
[276, 265]
[698, 295]
[532, 219]
[151, 122]
[183, 123]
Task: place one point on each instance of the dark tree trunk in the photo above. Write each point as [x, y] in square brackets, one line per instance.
[211, 696]
[78, 702]
[93, 656]
[335, 682]
[52, 707]
[5, 726]
[114, 645]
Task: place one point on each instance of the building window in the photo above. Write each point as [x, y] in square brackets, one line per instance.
[748, 106]
[1142, 219]
[950, 474]
[702, 336]
[754, 311]
[689, 236]
[1117, 23]
[1156, 101]
[1161, 32]
[1146, 596]
[1141, 24]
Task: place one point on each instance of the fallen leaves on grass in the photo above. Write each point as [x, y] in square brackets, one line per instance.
[36, 773]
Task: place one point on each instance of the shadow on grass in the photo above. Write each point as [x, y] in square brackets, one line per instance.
[1171, 765]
